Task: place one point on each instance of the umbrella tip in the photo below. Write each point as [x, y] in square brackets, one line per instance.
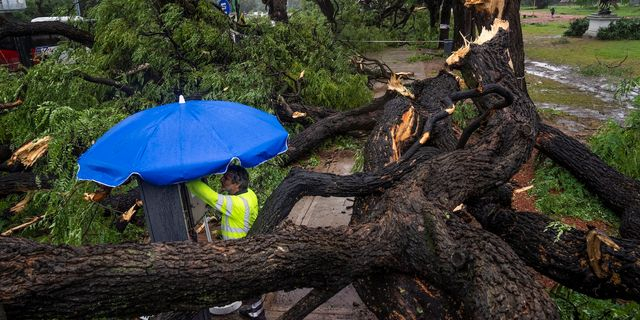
[181, 99]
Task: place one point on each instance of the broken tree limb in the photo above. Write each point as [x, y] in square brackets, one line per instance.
[564, 257]
[359, 119]
[30, 152]
[310, 302]
[298, 113]
[300, 183]
[22, 182]
[22, 226]
[129, 91]
[396, 129]
[10, 105]
[620, 193]
[449, 105]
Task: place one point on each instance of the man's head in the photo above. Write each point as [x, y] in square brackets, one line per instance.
[235, 180]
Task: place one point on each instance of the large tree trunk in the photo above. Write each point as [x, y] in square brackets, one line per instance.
[43, 281]
[469, 21]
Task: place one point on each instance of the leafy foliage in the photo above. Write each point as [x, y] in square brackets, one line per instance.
[465, 112]
[573, 306]
[619, 147]
[160, 51]
[559, 194]
[623, 29]
[577, 27]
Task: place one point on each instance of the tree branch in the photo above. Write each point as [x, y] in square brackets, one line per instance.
[10, 105]
[563, 255]
[129, 91]
[359, 119]
[22, 182]
[17, 29]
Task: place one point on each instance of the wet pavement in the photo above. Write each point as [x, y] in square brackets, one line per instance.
[323, 212]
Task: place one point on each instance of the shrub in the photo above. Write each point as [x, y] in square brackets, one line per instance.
[623, 29]
[577, 27]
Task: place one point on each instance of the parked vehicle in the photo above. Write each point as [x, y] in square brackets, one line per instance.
[30, 50]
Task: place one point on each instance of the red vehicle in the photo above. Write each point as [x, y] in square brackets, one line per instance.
[29, 50]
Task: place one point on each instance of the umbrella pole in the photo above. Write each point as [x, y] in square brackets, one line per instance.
[167, 212]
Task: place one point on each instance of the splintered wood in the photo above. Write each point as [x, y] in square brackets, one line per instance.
[485, 35]
[594, 240]
[19, 207]
[403, 131]
[397, 86]
[491, 7]
[29, 153]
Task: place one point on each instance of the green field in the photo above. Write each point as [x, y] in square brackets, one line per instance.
[623, 11]
[544, 42]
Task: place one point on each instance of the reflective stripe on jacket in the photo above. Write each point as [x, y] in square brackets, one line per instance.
[238, 211]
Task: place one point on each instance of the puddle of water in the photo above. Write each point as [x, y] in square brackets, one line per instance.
[599, 87]
[577, 95]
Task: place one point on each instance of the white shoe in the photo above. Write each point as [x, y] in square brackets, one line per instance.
[221, 310]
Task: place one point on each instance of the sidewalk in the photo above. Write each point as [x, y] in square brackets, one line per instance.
[323, 212]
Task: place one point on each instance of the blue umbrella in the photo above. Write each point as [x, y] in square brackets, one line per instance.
[183, 141]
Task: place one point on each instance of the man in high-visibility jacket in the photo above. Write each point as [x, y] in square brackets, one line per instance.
[239, 209]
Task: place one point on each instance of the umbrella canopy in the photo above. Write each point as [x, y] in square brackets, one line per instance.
[183, 141]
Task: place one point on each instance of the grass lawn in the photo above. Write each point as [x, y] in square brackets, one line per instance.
[543, 42]
[585, 53]
[543, 29]
[622, 11]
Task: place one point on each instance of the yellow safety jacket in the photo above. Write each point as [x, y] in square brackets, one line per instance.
[238, 211]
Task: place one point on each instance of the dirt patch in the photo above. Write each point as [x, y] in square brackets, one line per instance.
[586, 225]
[521, 200]
[540, 17]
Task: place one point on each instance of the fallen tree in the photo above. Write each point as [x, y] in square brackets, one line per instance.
[404, 232]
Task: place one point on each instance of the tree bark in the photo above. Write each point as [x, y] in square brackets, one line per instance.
[277, 10]
[22, 182]
[43, 281]
[468, 21]
[620, 193]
